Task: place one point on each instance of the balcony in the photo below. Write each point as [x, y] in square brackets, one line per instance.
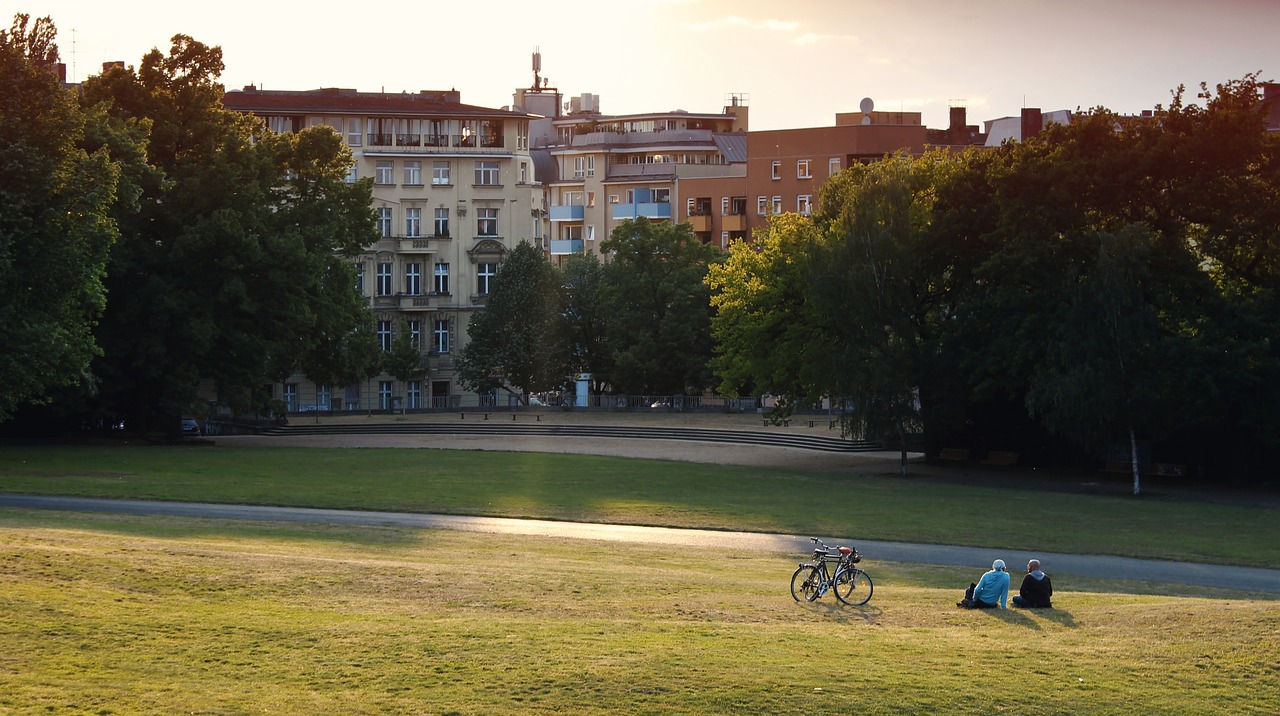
[701, 223]
[649, 210]
[568, 213]
[563, 247]
[415, 245]
[733, 222]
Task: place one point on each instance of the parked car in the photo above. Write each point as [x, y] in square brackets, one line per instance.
[190, 428]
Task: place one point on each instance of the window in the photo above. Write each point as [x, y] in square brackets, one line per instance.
[384, 335]
[360, 277]
[591, 232]
[661, 196]
[384, 221]
[415, 333]
[291, 397]
[691, 207]
[383, 173]
[493, 133]
[380, 131]
[413, 279]
[833, 166]
[322, 397]
[441, 284]
[413, 391]
[579, 167]
[440, 174]
[442, 222]
[572, 232]
[384, 279]
[486, 222]
[484, 277]
[762, 205]
[724, 206]
[524, 172]
[776, 205]
[440, 337]
[413, 173]
[522, 135]
[802, 169]
[408, 133]
[486, 173]
[777, 170]
[384, 395]
[804, 204]
[355, 134]
[353, 174]
[738, 206]
[413, 222]
[591, 166]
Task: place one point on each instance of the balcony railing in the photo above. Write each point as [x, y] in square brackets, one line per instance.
[565, 247]
[700, 222]
[650, 210]
[568, 212]
[733, 222]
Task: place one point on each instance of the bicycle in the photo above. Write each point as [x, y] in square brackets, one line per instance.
[851, 585]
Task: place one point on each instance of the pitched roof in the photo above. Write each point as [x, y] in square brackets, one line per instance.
[347, 101]
[732, 146]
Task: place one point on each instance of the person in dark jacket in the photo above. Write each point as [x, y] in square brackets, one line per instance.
[1036, 588]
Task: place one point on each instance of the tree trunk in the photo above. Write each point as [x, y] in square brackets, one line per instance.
[1133, 459]
[902, 442]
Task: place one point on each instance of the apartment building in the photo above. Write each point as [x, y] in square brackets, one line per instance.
[599, 170]
[453, 191]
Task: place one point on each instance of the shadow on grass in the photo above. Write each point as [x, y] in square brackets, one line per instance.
[843, 613]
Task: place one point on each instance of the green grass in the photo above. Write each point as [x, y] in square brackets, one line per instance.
[109, 614]
[603, 489]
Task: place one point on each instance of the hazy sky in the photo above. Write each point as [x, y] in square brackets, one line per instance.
[799, 63]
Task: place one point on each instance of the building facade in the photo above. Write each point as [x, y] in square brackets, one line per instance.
[453, 192]
[599, 170]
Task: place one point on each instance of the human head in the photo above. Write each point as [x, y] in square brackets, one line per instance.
[998, 565]
[1033, 565]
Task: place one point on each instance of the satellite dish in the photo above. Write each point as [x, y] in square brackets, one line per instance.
[866, 120]
[867, 105]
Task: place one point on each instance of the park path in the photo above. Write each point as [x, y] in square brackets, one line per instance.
[1250, 579]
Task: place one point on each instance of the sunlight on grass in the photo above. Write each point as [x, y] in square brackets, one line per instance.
[123, 614]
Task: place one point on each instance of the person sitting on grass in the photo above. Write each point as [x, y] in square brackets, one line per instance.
[1036, 588]
[990, 591]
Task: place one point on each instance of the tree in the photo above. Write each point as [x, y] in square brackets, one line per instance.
[767, 340]
[584, 324]
[874, 295]
[404, 361]
[55, 226]
[659, 308]
[513, 343]
[235, 264]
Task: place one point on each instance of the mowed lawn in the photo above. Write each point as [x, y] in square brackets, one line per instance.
[113, 614]
[654, 492]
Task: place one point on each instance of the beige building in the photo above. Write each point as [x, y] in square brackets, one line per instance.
[600, 170]
[453, 192]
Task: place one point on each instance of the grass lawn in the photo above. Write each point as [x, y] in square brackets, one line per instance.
[108, 614]
[653, 492]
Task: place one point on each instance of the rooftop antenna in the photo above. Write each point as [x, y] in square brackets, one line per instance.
[537, 67]
[73, 55]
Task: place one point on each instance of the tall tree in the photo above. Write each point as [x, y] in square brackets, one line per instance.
[235, 266]
[767, 340]
[513, 344]
[405, 361]
[584, 323]
[874, 293]
[659, 308]
[55, 225]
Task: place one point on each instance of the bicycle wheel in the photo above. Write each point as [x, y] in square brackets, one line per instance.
[853, 586]
[805, 583]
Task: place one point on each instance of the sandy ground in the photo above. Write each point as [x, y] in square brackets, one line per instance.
[879, 462]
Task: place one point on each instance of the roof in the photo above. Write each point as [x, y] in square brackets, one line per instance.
[347, 101]
[732, 146]
[545, 167]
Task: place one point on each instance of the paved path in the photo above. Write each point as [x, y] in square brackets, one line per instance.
[978, 558]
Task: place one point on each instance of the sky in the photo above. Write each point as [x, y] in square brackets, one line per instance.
[798, 64]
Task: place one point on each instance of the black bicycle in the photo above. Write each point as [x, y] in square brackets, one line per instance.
[814, 579]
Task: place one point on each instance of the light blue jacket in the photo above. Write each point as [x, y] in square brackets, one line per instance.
[993, 587]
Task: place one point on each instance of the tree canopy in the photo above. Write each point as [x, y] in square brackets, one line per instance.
[56, 228]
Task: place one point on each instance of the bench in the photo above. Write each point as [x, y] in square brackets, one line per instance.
[1002, 458]
[786, 422]
[954, 454]
[536, 415]
[463, 416]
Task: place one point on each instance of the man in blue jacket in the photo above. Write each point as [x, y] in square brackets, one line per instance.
[990, 591]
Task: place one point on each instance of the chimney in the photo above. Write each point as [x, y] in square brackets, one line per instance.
[957, 118]
[1031, 122]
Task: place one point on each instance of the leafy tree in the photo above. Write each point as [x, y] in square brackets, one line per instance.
[873, 294]
[584, 323]
[659, 308]
[513, 344]
[767, 340]
[234, 266]
[55, 226]
[404, 361]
